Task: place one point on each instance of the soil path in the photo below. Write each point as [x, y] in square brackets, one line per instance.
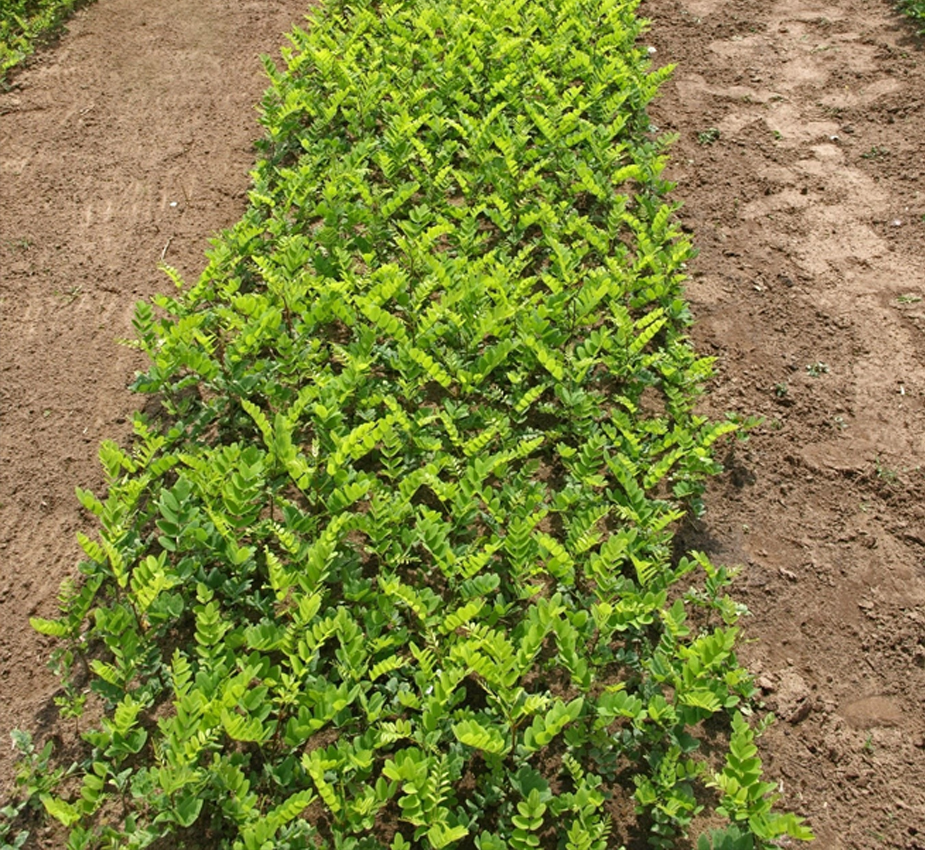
[801, 165]
[128, 143]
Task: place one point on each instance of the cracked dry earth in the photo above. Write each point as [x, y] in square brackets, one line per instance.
[801, 166]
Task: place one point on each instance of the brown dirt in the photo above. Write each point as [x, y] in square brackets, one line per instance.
[808, 212]
[128, 143]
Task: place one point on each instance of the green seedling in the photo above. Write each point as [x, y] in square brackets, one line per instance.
[708, 136]
[885, 473]
[70, 295]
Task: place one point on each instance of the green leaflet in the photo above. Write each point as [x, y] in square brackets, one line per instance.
[473, 734]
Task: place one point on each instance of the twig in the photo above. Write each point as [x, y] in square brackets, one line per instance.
[164, 252]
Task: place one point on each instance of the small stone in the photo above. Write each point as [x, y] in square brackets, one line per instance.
[800, 713]
[793, 697]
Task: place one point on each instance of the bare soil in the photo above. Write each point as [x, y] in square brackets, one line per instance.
[801, 165]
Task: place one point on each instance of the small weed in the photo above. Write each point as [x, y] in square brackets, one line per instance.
[8, 839]
[884, 473]
[781, 390]
[817, 369]
[71, 706]
[708, 136]
[729, 838]
[909, 298]
[777, 135]
[70, 295]
[34, 778]
[875, 153]
[745, 423]
[20, 244]
[839, 422]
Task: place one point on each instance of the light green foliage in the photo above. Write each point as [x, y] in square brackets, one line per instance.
[409, 527]
[24, 22]
[745, 798]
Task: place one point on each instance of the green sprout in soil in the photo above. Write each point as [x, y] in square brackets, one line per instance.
[875, 153]
[708, 136]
